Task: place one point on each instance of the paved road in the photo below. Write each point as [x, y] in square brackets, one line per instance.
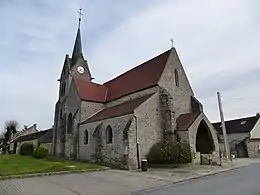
[243, 181]
[111, 182]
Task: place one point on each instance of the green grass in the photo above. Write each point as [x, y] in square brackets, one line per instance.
[16, 165]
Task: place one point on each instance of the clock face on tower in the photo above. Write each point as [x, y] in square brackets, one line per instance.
[81, 69]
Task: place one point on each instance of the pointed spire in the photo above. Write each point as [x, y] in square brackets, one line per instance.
[77, 50]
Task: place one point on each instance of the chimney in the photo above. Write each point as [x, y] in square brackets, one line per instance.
[258, 114]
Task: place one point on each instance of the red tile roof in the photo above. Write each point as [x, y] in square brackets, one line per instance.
[118, 110]
[141, 77]
[90, 91]
[184, 121]
[241, 125]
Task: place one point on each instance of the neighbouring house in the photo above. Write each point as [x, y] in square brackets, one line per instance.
[253, 147]
[37, 138]
[46, 140]
[25, 131]
[117, 122]
[243, 135]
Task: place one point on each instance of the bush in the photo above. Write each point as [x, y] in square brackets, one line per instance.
[26, 149]
[169, 153]
[40, 152]
[184, 155]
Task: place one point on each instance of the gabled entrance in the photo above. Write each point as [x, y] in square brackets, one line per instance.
[204, 140]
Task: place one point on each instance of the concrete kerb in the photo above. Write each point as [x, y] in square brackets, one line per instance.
[21, 176]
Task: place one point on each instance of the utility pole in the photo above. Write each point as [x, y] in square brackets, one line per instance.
[224, 131]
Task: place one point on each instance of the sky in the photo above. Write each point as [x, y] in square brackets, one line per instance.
[217, 41]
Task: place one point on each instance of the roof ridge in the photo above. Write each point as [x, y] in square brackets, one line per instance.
[236, 119]
[82, 80]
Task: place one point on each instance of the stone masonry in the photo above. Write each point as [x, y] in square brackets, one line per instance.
[119, 121]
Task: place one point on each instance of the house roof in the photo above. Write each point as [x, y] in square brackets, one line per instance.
[255, 139]
[47, 137]
[31, 136]
[184, 121]
[118, 110]
[241, 125]
[90, 91]
[141, 77]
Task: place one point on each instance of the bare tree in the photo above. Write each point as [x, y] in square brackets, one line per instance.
[10, 129]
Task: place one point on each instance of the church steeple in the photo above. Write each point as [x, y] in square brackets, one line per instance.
[77, 50]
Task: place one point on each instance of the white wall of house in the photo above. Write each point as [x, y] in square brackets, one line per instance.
[255, 133]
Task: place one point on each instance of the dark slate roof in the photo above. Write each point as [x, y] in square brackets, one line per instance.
[47, 137]
[241, 125]
[118, 110]
[184, 121]
[31, 136]
[77, 50]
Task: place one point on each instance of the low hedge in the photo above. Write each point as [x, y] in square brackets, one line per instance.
[40, 152]
[169, 153]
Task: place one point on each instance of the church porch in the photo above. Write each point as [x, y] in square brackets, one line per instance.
[202, 138]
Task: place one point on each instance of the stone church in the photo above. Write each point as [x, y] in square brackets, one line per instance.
[117, 122]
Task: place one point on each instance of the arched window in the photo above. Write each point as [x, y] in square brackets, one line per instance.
[176, 75]
[86, 137]
[69, 124]
[109, 134]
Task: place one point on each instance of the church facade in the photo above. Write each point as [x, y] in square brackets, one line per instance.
[119, 121]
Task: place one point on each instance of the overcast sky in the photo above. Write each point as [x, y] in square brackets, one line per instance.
[218, 43]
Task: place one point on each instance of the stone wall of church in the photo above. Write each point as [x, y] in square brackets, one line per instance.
[182, 135]
[72, 100]
[114, 153]
[146, 125]
[132, 96]
[89, 108]
[181, 94]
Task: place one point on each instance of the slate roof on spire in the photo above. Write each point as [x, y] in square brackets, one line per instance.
[77, 50]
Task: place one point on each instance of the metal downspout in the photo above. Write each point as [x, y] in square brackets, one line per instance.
[137, 144]
[78, 133]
